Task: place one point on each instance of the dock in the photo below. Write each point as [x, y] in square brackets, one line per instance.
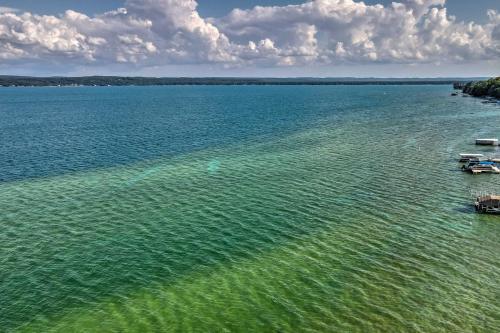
[487, 142]
[488, 204]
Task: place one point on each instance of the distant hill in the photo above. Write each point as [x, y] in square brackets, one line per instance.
[30, 81]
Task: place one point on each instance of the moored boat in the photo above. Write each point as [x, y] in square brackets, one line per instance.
[476, 167]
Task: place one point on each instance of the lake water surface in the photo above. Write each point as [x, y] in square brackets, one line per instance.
[245, 209]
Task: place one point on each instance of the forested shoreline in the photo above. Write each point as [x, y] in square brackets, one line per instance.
[486, 88]
[30, 81]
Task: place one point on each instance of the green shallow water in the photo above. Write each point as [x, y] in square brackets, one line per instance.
[357, 223]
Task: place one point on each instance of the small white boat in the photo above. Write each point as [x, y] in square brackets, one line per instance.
[495, 159]
[468, 157]
[489, 142]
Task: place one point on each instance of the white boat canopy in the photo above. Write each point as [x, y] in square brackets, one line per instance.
[471, 155]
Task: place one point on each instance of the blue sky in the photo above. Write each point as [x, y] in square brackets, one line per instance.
[327, 38]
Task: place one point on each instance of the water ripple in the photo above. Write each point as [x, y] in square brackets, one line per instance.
[354, 225]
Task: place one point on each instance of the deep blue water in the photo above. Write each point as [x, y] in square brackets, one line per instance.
[49, 131]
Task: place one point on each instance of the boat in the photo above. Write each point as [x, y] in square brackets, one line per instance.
[495, 159]
[470, 163]
[476, 167]
[488, 204]
[468, 157]
[489, 142]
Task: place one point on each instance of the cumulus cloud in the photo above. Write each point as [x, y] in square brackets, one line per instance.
[160, 32]
[345, 30]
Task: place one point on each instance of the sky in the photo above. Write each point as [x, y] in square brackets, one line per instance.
[335, 38]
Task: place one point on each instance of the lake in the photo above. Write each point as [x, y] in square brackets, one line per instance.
[245, 208]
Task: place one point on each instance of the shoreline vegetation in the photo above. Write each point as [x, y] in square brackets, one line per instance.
[485, 88]
[30, 81]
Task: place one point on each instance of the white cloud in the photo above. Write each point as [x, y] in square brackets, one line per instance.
[8, 10]
[350, 31]
[162, 32]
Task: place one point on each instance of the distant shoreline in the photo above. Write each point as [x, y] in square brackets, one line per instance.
[29, 81]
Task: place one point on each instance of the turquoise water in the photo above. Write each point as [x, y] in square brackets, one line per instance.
[245, 209]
